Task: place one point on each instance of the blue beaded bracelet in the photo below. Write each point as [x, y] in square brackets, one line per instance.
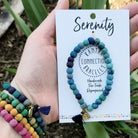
[70, 62]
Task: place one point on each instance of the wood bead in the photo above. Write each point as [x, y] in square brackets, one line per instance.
[3, 103]
[14, 112]
[19, 117]
[8, 107]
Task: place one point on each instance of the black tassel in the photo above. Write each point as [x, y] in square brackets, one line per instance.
[78, 119]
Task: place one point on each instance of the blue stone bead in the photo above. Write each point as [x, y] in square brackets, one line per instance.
[69, 70]
[69, 76]
[86, 42]
[81, 45]
[22, 98]
[78, 96]
[70, 81]
[27, 102]
[11, 90]
[42, 124]
[6, 85]
[108, 87]
[97, 41]
[39, 119]
[109, 82]
[110, 71]
[104, 51]
[16, 94]
[70, 64]
[91, 40]
[110, 77]
[36, 114]
[73, 54]
[110, 65]
[81, 101]
[101, 45]
[71, 59]
[89, 108]
[83, 106]
[98, 101]
[102, 97]
[105, 92]
[108, 60]
[73, 87]
[77, 49]
[94, 105]
[76, 92]
[106, 55]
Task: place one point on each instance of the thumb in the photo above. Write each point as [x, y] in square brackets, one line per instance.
[48, 28]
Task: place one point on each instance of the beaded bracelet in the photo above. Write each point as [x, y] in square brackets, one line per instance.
[70, 62]
[18, 127]
[19, 117]
[21, 109]
[33, 109]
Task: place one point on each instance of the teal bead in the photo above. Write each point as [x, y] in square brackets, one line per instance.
[81, 101]
[73, 87]
[4, 96]
[6, 85]
[106, 55]
[69, 70]
[77, 49]
[110, 77]
[26, 102]
[69, 76]
[110, 65]
[24, 112]
[108, 60]
[104, 51]
[109, 82]
[94, 106]
[83, 106]
[73, 54]
[101, 45]
[97, 41]
[16, 94]
[39, 119]
[81, 45]
[38, 129]
[76, 92]
[102, 97]
[15, 103]
[70, 81]
[98, 101]
[89, 108]
[108, 87]
[86, 42]
[20, 107]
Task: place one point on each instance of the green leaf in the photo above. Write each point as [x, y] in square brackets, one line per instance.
[109, 129]
[134, 85]
[125, 129]
[134, 75]
[18, 20]
[107, 4]
[95, 130]
[135, 116]
[134, 99]
[11, 70]
[35, 11]
[93, 4]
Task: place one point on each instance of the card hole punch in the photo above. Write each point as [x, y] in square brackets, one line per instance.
[92, 15]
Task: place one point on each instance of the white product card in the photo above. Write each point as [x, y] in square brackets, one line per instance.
[89, 70]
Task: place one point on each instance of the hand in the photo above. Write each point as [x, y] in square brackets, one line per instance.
[133, 8]
[37, 72]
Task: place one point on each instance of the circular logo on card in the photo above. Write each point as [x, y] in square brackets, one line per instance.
[91, 61]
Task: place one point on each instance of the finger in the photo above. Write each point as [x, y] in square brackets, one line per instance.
[134, 24]
[134, 45]
[47, 28]
[133, 9]
[134, 61]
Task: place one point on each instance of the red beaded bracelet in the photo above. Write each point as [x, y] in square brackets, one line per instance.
[18, 127]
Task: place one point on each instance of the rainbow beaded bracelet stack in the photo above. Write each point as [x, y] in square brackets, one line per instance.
[70, 63]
